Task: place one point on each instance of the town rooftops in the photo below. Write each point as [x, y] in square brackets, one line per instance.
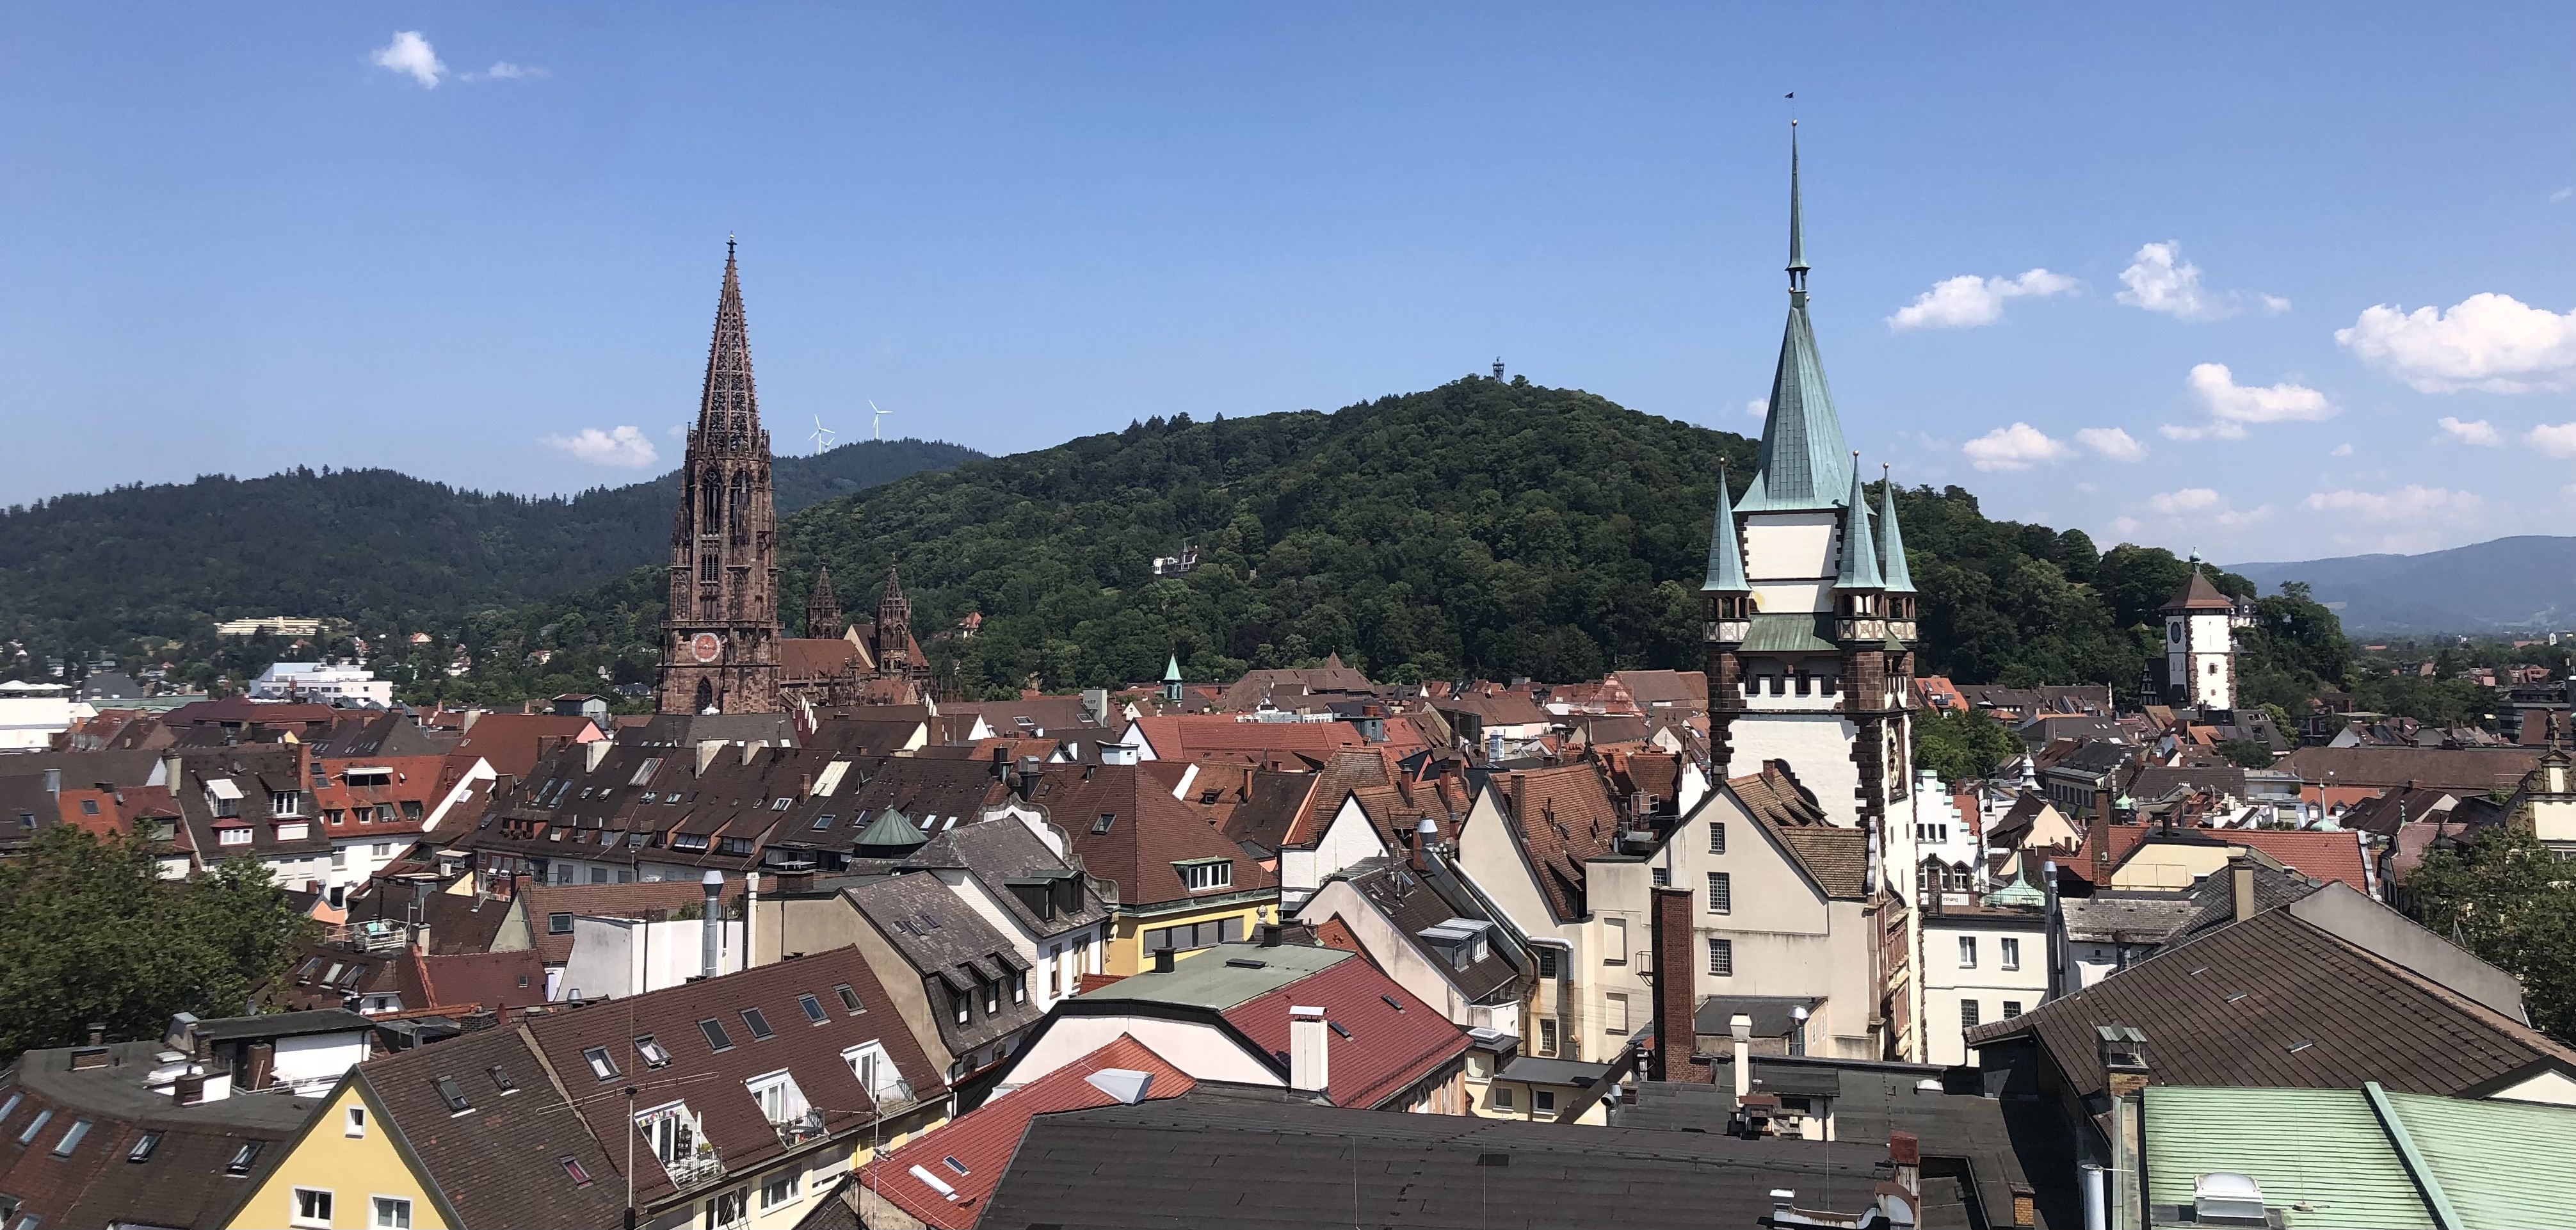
[1224, 1157]
[520, 1155]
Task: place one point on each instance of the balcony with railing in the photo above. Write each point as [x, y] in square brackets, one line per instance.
[797, 1129]
[696, 1167]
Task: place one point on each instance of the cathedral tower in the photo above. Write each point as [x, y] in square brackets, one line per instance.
[1809, 605]
[823, 611]
[720, 635]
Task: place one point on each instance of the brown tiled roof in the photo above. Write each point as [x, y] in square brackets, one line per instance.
[513, 742]
[1150, 830]
[2475, 770]
[1562, 817]
[496, 981]
[816, 657]
[500, 1163]
[2198, 594]
[2350, 1016]
[1688, 689]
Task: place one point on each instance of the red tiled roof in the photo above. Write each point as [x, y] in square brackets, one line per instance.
[1191, 736]
[1389, 1048]
[2324, 854]
[513, 742]
[984, 1140]
[416, 780]
[499, 981]
[1148, 832]
[1563, 817]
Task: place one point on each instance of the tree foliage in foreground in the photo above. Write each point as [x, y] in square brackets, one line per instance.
[2512, 901]
[92, 933]
[1962, 745]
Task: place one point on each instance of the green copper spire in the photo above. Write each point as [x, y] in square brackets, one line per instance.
[1891, 539]
[1725, 555]
[1172, 672]
[1797, 233]
[1803, 462]
[1860, 552]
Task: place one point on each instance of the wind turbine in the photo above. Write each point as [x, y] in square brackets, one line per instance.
[822, 436]
[880, 419]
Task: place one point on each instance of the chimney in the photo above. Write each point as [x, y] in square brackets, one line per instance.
[1671, 956]
[707, 749]
[1740, 1028]
[593, 752]
[98, 1033]
[711, 924]
[189, 1089]
[263, 1059]
[1162, 960]
[1309, 1062]
[1426, 844]
[2240, 880]
[1031, 770]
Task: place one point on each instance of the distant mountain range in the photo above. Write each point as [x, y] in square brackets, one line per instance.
[82, 571]
[2520, 584]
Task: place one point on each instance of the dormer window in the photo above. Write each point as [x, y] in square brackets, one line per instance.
[286, 803]
[223, 797]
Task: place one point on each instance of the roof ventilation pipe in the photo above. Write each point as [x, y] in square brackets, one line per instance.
[711, 923]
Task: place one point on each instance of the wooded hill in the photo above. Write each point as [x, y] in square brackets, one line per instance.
[1480, 528]
[94, 572]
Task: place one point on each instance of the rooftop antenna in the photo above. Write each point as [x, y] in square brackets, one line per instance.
[880, 419]
[822, 436]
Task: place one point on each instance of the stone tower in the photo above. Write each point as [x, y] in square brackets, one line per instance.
[1810, 617]
[894, 629]
[823, 611]
[720, 635]
[2200, 645]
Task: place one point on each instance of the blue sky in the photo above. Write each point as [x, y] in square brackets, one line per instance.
[2278, 246]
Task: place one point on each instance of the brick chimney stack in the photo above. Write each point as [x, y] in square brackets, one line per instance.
[1675, 1005]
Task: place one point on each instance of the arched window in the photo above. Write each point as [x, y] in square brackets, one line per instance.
[711, 503]
[740, 517]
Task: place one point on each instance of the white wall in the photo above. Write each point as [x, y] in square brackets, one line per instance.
[616, 957]
[1347, 838]
[29, 723]
[1817, 747]
[1199, 1050]
[314, 1062]
[1943, 982]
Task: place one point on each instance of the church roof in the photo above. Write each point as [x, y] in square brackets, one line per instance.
[1860, 552]
[1891, 541]
[2199, 595]
[1172, 672]
[1725, 554]
[1804, 465]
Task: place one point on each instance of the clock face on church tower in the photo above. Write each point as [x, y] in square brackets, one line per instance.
[706, 647]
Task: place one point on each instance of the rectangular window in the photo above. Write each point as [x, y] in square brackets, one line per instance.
[779, 1189]
[1546, 1036]
[72, 1138]
[1615, 941]
[1663, 877]
[601, 1065]
[2012, 1008]
[1614, 1013]
[1203, 876]
[717, 1039]
[312, 1207]
[243, 1159]
[1019, 987]
[1102, 824]
[963, 1007]
[1721, 892]
[728, 1210]
[354, 1124]
[757, 1024]
[1967, 952]
[449, 1093]
[849, 999]
[559, 923]
[35, 1127]
[1547, 963]
[2011, 953]
[1503, 1097]
[813, 1009]
[653, 1052]
[142, 1150]
[1717, 837]
[1544, 1100]
[501, 1080]
[392, 1213]
[1721, 958]
[1967, 1014]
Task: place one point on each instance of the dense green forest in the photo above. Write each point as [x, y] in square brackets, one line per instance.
[1480, 528]
[100, 572]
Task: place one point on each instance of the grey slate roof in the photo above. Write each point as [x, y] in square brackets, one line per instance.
[997, 852]
[950, 944]
[1217, 1158]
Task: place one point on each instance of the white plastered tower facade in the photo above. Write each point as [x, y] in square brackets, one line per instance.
[2200, 645]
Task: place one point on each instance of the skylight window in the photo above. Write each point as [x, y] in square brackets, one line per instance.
[953, 1164]
[501, 1080]
[243, 1159]
[35, 1126]
[601, 1065]
[654, 1054]
[813, 1008]
[757, 1024]
[717, 1039]
[572, 1168]
[559, 923]
[72, 1138]
[1102, 824]
[849, 999]
[822, 822]
[142, 1150]
[782, 804]
[1337, 1028]
[454, 1095]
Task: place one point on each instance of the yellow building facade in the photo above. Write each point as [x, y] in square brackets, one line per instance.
[346, 1172]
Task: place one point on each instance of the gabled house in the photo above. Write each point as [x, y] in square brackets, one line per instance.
[1179, 883]
[972, 979]
[1430, 932]
[1015, 872]
[740, 1100]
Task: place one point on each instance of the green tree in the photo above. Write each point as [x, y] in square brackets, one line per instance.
[1962, 745]
[2246, 753]
[2509, 899]
[92, 933]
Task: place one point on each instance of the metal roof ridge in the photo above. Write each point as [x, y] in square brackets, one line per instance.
[2417, 1167]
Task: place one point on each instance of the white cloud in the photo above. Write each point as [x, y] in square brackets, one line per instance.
[2231, 405]
[2160, 280]
[2478, 432]
[2018, 447]
[411, 54]
[1759, 408]
[503, 70]
[2125, 526]
[2200, 507]
[2341, 450]
[2562, 194]
[2555, 439]
[1967, 301]
[2487, 342]
[622, 447]
[2412, 502]
[2187, 500]
[2112, 443]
